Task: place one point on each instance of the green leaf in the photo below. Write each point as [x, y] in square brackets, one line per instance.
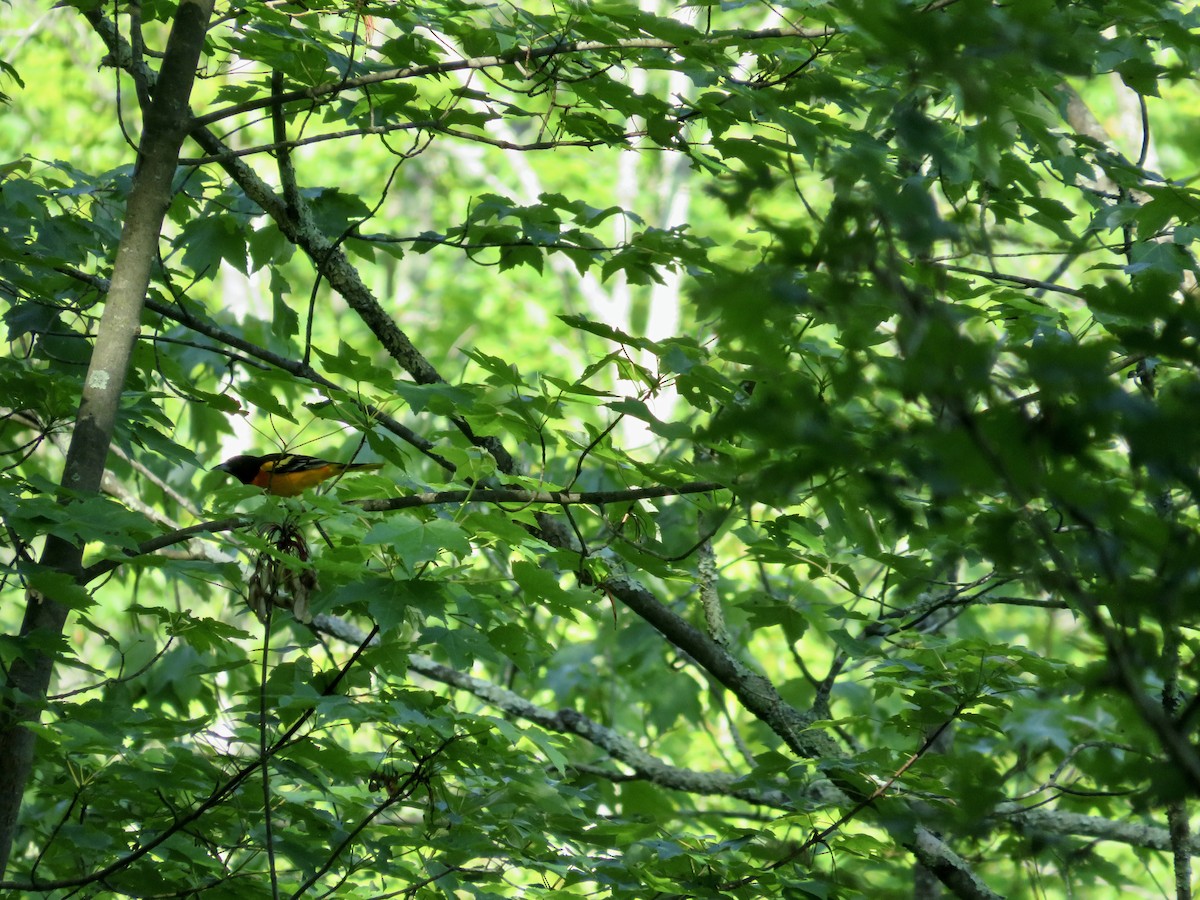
[214, 239]
[285, 321]
[416, 542]
[350, 362]
[58, 587]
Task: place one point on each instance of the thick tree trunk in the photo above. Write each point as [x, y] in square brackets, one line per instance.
[166, 124]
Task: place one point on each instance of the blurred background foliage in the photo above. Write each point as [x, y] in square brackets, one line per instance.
[911, 283]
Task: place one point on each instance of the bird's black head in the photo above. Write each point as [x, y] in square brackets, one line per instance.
[241, 467]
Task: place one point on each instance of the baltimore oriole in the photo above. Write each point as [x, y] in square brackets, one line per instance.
[287, 474]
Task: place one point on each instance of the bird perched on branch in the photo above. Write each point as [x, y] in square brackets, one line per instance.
[287, 474]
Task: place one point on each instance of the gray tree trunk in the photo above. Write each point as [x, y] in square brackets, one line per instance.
[166, 123]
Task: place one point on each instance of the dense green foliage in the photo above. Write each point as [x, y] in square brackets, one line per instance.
[858, 337]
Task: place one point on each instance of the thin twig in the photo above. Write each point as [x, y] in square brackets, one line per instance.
[268, 825]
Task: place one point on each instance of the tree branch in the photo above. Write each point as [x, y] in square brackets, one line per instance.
[518, 55]
[1135, 834]
[617, 746]
[529, 498]
[413, 501]
[761, 698]
[177, 313]
[421, 125]
[330, 261]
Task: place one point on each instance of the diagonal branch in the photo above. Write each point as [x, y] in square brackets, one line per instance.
[761, 698]
[617, 746]
[177, 313]
[299, 227]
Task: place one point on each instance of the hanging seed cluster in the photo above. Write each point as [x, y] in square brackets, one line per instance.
[282, 577]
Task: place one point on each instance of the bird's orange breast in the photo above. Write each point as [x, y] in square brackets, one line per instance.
[289, 484]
